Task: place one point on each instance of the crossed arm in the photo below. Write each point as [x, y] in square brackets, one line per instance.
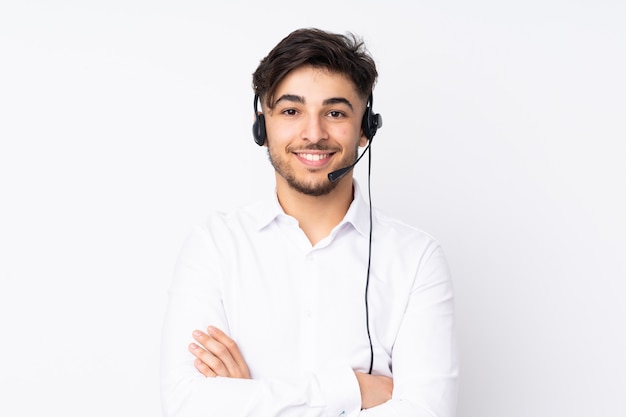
[218, 355]
[425, 369]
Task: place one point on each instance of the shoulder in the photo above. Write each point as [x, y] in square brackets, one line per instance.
[398, 233]
[220, 234]
[407, 251]
[224, 223]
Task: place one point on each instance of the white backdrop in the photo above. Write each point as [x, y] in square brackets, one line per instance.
[123, 122]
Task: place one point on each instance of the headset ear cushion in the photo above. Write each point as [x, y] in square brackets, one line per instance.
[370, 124]
[365, 124]
[258, 130]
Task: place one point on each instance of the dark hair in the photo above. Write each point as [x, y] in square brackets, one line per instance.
[343, 54]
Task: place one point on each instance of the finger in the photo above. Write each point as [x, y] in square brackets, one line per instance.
[203, 368]
[212, 362]
[223, 347]
[238, 367]
[218, 357]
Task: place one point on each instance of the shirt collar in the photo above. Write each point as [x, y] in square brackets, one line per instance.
[358, 212]
[269, 210]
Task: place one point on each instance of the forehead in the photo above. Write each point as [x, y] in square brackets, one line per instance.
[316, 83]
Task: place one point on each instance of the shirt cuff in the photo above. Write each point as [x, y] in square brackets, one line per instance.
[341, 391]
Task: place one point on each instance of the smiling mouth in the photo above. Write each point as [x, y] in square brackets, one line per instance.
[313, 157]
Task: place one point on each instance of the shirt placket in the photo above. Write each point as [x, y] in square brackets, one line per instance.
[309, 313]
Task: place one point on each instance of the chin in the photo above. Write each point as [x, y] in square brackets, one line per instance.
[314, 190]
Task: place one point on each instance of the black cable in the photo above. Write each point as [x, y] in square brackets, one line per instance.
[369, 261]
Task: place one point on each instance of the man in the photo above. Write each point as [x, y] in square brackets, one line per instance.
[290, 307]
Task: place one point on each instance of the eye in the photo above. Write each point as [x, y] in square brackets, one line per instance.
[336, 114]
[290, 112]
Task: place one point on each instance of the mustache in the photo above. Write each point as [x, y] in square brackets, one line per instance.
[314, 147]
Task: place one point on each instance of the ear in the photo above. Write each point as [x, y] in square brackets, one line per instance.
[362, 139]
[265, 145]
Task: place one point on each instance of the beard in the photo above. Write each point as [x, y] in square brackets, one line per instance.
[309, 186]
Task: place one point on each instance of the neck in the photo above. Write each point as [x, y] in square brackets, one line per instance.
[316, 215]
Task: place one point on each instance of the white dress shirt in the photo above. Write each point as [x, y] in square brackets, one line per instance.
[297, 313]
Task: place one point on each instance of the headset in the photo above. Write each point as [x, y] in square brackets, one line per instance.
[259, 133]
[370, 124]
[371, 121]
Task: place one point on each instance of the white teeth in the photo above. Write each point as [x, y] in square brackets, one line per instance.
[313, 156]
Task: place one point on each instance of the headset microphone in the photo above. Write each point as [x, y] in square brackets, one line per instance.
[335, 175]
[370, 124]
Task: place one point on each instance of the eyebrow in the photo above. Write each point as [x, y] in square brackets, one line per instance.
[290, 97]
[299, 99]
[338, 100]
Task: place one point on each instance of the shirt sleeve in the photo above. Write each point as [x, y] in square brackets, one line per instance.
[194, 302]
[424, 357]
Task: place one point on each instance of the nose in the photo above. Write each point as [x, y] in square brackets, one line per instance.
[313, 129]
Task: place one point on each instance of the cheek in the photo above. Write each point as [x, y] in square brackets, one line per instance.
[351, 134]
[277, 140]
[275, 135]
[279, 132]
[345, 131]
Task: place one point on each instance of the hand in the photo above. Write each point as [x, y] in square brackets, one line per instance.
[375, 389]
[218, 355]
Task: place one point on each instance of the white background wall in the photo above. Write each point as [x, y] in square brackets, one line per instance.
[123, 122]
